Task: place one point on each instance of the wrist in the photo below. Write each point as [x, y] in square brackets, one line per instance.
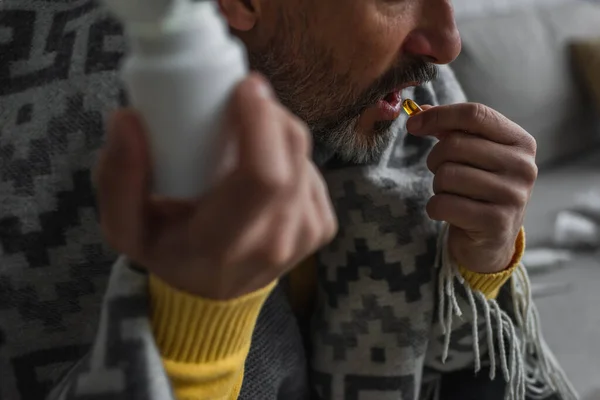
[488, 282]
[214, 286]
[501, 258]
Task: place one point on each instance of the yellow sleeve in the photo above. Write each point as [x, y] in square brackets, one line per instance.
[203, 343]
[490, 284]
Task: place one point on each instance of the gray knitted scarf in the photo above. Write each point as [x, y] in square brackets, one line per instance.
[393, 313]
[375, 330]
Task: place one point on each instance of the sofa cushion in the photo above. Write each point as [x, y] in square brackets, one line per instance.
[520, 65]
[478, 8]
[586, 54]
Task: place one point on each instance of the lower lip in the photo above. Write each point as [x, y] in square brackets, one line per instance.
[390, 108]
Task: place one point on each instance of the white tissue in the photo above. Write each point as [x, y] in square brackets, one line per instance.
[588, 204]
[573, 230]
[543, 259]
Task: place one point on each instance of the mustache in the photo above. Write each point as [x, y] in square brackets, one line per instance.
[411, 70]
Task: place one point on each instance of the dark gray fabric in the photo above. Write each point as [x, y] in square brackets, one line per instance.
[276, 365]
[57, 82]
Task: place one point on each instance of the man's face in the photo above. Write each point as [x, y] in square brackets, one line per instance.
[340, 64]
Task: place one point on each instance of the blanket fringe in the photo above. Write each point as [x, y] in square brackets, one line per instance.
[525, 360]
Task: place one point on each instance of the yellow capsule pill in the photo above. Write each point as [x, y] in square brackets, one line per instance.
[411, 108]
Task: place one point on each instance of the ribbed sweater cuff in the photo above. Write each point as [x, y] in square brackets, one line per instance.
[194, 330]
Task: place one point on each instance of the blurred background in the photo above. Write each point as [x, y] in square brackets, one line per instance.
[538, 62]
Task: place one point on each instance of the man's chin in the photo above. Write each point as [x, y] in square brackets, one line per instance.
[382, 128]
[367, 146]
[359, 141]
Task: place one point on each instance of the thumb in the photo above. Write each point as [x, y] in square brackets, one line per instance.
[426, 107]
[123, 176]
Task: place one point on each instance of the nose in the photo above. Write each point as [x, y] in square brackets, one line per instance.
[436, 37]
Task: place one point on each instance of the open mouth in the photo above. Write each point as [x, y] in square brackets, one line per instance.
[394, 99]
[390, 105]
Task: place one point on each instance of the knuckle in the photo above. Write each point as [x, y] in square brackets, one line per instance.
[270, 181]
[433, 208]
[277, 255]
[237, 101]
[447, 173]
[498, 220]
[527, 169]
[315, 231]
[530, 143]
[454, 143]
[300, 137]
[273, 182]
[480, 113]
[518, 196]
[241, 109]
[531, 172]
[246, 88]
[330, 227]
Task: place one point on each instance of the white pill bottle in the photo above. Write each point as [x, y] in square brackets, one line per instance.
[180, 70]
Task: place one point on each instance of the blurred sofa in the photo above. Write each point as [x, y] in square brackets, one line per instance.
[517, 59]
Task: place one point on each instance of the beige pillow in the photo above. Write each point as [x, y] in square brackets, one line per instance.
[586, 54]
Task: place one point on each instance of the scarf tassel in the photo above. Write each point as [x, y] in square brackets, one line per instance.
[525, 360]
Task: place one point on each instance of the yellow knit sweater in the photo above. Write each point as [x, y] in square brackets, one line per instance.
[204, 343]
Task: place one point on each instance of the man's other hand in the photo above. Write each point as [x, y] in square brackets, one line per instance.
[266, 214]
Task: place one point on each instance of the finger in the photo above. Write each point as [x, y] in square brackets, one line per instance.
[278, 245]
[463, 148]
[303, 226]
[300, 138]
[258, 125]
[323, 208]
[467, 214]
[247, 194]
[299, 142]
[476, 184]
[318, 224]
[474, 118]
[426, 107]
[123, 176]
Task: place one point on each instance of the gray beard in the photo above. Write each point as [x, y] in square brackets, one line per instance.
[344, 144]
